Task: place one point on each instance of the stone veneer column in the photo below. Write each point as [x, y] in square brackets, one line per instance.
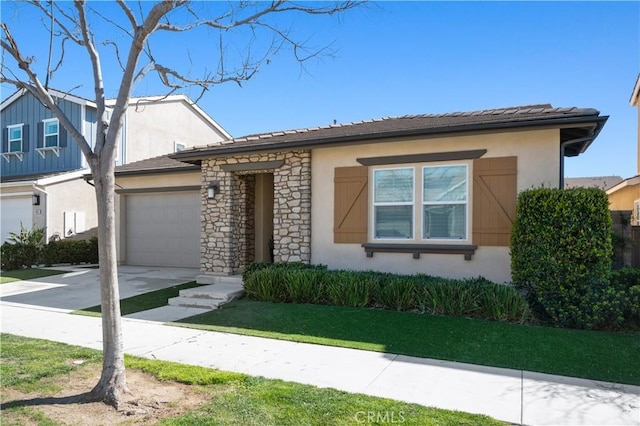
[227, 244]
[216, 238]
[292, 208]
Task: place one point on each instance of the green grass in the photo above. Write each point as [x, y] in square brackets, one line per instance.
[235, 398]
[24, 362]
[587, 354]
[27, 274]
[142, 302]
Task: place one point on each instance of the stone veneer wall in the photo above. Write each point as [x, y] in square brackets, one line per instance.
[228, 227]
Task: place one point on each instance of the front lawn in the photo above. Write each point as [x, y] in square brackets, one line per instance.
[587, 354]
[27, 274]
[42, 368]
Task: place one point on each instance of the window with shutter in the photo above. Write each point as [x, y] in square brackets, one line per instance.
[350, 205]
[494, 200]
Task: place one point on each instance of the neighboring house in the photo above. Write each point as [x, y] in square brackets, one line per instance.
[625, 196]
[602, 182]
[42, 169]
[431, 194]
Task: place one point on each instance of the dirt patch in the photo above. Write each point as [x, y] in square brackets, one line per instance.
[149, 401]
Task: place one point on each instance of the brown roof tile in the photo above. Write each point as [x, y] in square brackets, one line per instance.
[424, 124]
[153, 165]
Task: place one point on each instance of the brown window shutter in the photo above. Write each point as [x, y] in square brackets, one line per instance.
[494, 200]
[350, 205]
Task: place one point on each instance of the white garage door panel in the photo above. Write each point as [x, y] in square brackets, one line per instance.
[163, 229]
[14, 211]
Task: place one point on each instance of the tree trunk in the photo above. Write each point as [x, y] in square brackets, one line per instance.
[112, 384]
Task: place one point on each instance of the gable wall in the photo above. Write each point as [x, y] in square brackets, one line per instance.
[153, 128]
[30, 111]
[538, 162]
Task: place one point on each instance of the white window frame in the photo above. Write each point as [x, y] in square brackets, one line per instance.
[411, 203]
[179, 146]
[426, 203]
[418, 204]
[44, 133]
[45, 148]
[9, 139]
[9, 153]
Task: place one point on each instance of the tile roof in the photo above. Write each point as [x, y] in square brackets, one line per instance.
[399, 126]
[161, 163]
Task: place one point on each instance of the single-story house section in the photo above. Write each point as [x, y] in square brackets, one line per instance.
[158, 213]
[432, 194]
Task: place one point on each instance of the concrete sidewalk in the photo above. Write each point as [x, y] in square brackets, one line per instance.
[518, 397]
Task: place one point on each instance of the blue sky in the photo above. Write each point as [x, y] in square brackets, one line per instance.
[397, 58]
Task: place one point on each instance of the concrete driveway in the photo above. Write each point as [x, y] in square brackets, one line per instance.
[80, 287]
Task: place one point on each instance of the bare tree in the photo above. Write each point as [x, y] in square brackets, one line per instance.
[135, 26]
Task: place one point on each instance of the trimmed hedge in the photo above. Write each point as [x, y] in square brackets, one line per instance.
[299, 283]
[561, 256]
[25, 254]
[74, 252]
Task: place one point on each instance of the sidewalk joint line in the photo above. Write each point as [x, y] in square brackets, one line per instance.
[395, 356]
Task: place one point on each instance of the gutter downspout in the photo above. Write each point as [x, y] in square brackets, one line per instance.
[563, 145]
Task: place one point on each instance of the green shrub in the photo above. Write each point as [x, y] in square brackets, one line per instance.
[346, 288]
[502, 302]
[304, 285]
[300, 283]
[74, 252]
[448, 297]
[632, 309]
[10, 258]
[398, 294]
[561, 255]
[23, 248]
[266, 284]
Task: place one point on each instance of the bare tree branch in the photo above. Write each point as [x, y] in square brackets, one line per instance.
[129, 13]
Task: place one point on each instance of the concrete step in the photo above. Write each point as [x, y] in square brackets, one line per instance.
[215, 291]
[219, 279]
[167, 313]
[195, 302]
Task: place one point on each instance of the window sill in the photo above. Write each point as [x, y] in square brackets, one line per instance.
[416, 249]
[7, 155]
[42, 151]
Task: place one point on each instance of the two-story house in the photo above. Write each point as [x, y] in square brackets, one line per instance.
[42, 170]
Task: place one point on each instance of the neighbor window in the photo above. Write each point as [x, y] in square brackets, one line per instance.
[421, 202]
[15, 138]
[444, 202]
[178, 146]
[393, 195]
[51, 133]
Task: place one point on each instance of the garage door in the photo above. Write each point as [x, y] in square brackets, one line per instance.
[13, 211]
[163, 229]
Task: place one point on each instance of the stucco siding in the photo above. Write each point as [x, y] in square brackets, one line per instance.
[623, 199]
[538, 164]
[71, 196]
[152, 129]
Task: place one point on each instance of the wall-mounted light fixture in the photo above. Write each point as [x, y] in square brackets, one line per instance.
[35, 198]
[213, 188]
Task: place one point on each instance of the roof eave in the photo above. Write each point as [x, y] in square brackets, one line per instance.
[185, 168]
[597, 122]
